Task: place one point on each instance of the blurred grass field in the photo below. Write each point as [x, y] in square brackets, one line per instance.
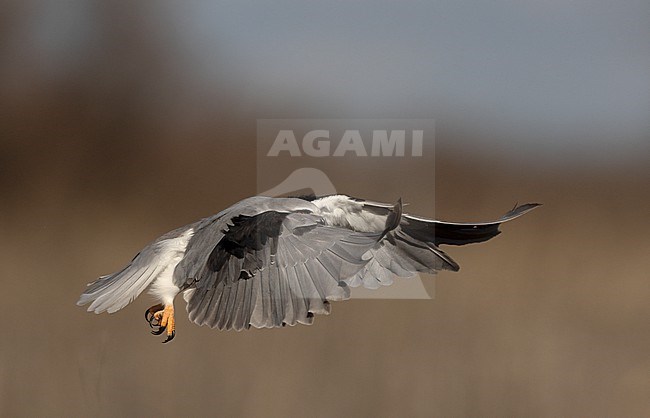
[548, 319]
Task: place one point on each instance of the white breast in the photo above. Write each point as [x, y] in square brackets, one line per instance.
[171, 253]
[343, 211]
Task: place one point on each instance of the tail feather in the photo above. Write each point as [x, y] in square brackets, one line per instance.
[113, 292]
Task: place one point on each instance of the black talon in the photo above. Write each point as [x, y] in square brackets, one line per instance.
[158, 331]
[149, 314]
[154, 322]
[170, 337]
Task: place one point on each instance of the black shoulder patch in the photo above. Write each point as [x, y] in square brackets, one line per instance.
[247, 234]
[310, 197]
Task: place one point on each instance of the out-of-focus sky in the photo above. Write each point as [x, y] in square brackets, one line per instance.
[566, 80]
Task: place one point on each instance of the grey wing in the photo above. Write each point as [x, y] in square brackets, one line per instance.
[275, 269]
[413, 246]
[112, 292]
[401, 255]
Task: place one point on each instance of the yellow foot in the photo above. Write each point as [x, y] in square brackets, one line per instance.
[161, 318]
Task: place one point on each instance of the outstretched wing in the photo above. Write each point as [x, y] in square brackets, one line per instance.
[274, 269]
[413, 246]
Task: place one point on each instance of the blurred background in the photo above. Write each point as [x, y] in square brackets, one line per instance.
[123, 120]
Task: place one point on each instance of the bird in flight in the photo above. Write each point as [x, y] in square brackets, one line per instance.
[270, 262]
